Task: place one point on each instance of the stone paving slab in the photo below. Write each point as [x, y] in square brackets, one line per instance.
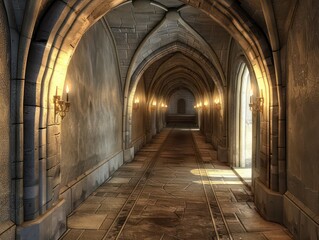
[86, 221]
[167, 194]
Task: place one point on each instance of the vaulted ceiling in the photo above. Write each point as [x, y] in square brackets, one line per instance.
[146, 29]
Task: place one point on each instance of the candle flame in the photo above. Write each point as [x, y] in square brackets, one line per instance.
[67, 89]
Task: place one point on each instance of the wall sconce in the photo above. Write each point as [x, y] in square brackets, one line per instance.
[164, 106]
[205, 105]
[256, 104]
[199, 105]
[217, 104]
[154, 105]
[61, 107]
[136, 103]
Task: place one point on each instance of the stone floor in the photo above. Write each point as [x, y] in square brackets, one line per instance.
[174, 189]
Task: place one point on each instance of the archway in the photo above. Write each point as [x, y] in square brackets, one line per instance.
[54, 44]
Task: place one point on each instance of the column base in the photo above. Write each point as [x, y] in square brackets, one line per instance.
[300, 220]
[51, 225]
[222, 154]
[129, 154]
[268, 202]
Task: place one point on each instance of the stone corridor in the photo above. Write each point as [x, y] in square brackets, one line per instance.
[173, 189]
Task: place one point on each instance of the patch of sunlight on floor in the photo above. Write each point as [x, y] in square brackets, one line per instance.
[214, 172]
[220, 172]
[245, 174]
[221, 182]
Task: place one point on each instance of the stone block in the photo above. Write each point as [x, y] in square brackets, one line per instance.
[129, 154]
[30, 128]
[103, 173]
[52, 161]
[50, 20]
[92, 182]
[17, 88]
[16, 142]
[78, 193]
[268, 203]
[53, 130]
[67, 196]
[42, 182]
[291, 217]
[51, 225]
[35, 67]
[309, 229]
[222, 154]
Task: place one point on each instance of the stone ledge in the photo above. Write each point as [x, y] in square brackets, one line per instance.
[139, 143]
[81, 188]
[268, 202]
[129, 154]
[301, 221]
[51, 225]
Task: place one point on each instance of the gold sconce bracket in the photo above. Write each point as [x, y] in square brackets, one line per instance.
[61, 107]
[256, 104]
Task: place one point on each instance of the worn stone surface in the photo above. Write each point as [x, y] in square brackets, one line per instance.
[189, 102]
[5, 118]
[49, 226]
[138, 124]
[61, 25]
[91, 132]
[170, 192]
[302, 114]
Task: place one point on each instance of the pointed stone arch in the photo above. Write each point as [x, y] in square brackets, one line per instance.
[55, 41]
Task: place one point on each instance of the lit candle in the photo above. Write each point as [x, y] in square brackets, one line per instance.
[67, 93]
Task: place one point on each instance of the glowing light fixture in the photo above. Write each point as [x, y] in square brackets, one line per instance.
[206, 105]
[164, 106]
[199, 105]
[217, 103]
[256, 104]
[61, 107]
[154, 105]
[136, 103]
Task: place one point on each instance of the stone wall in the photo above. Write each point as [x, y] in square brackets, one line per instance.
[189, 102]
[92, 131]
[6, 227]
[138, 117]
[302, 198]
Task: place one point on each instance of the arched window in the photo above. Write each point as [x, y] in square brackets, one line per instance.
[245, 117]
